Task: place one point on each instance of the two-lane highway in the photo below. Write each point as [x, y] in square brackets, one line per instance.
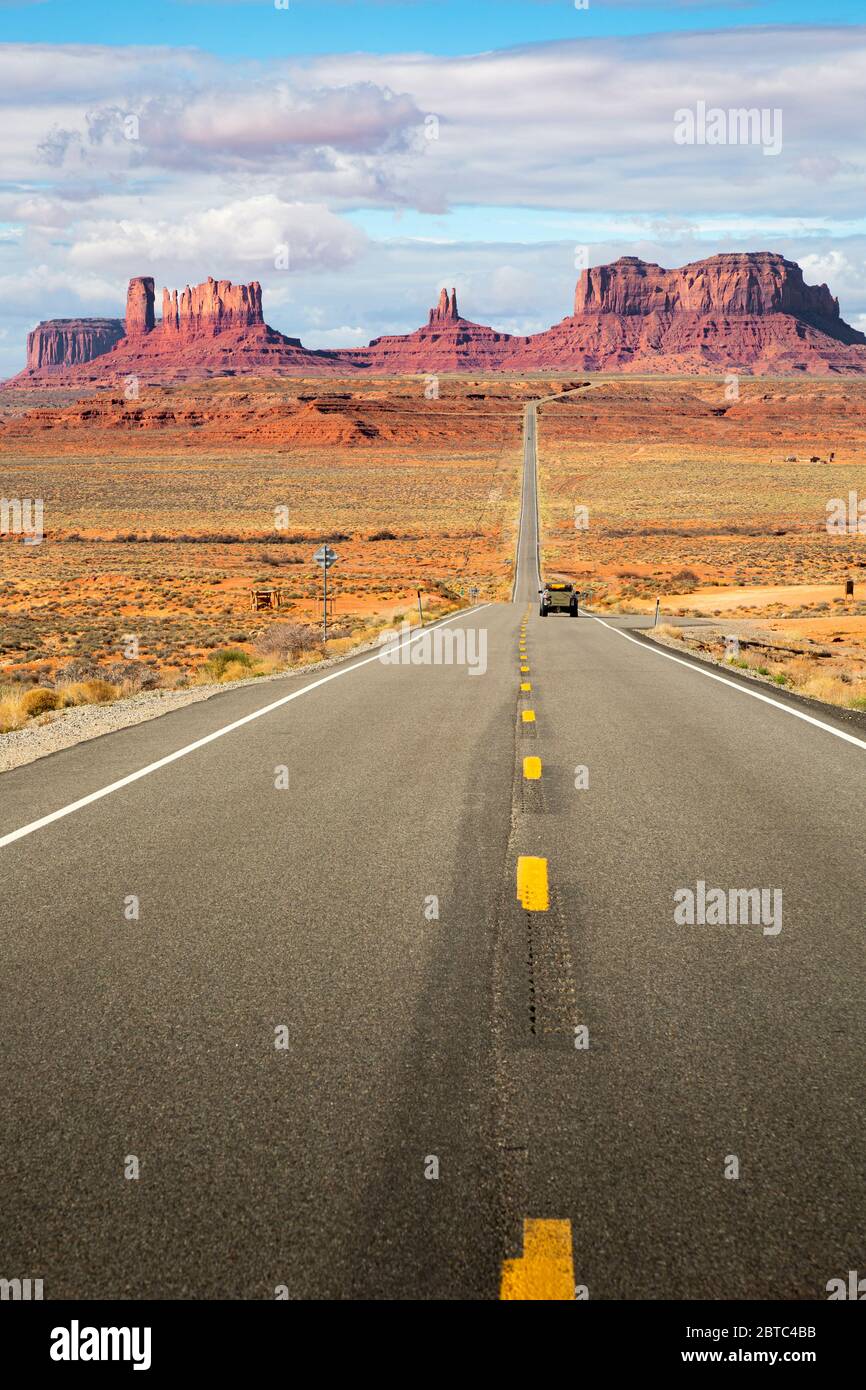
[346, 1060]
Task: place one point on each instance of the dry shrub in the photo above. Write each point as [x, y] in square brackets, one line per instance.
[684, 581]
[668, 630]
[228, 664]
[287, 641]
[832, 689]
[800, 671]
[88, 692]
[227, 658]
[12, 712]
[132, 676]
[76, 671]
[340, 646]
[236, 671]
[38, 701]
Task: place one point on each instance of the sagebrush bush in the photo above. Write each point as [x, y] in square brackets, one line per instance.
[132, 676]
[218, 661]
[287, 640]
[38, 701]
[88, 692]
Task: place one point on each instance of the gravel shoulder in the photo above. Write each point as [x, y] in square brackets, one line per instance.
[851, 719]
[63, 728]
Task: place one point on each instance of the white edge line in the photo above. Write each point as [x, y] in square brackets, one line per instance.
[218, 733]
[734, 685]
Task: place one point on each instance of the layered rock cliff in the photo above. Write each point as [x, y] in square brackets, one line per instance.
[745, 312]
[749, 312]
[211, 307]
[212, 329]
[59, 343]
[732, 284]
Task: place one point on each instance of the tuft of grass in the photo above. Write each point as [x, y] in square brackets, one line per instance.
[17, 706]
[237, 671]
[12, 713]
[219, 662]
[88, 692]
[40, 700]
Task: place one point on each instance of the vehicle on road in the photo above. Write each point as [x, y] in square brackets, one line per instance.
[558, 597]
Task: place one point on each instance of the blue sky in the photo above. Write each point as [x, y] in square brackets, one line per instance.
[398, 147]
[254, 27]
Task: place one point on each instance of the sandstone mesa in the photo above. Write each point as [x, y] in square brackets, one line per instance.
[750, 312]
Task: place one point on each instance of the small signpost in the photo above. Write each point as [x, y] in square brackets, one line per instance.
[325, 557]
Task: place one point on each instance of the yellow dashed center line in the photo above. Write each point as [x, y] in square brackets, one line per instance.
[528, 716]
[524, 670]
[532, 891]
[525, 685]
[532, 769]
[546, 1268]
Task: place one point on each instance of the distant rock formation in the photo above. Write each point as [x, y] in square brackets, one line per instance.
[446, 310]
[741, 311]
[139, 307]
[211, 307]
[749, 312]
[746, 312]
[212, 329]
[446, 343]
[736, 283]
[69, 342]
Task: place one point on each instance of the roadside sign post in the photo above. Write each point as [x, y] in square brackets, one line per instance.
[325, 557]
[420, 610]
[656, 618]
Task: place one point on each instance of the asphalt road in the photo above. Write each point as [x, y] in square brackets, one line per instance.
[369, 911]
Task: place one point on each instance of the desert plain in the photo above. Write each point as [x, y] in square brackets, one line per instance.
[163, 512]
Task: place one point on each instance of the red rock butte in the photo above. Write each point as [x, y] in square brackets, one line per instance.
[749, 312]
[446, 343]
[446, 310]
